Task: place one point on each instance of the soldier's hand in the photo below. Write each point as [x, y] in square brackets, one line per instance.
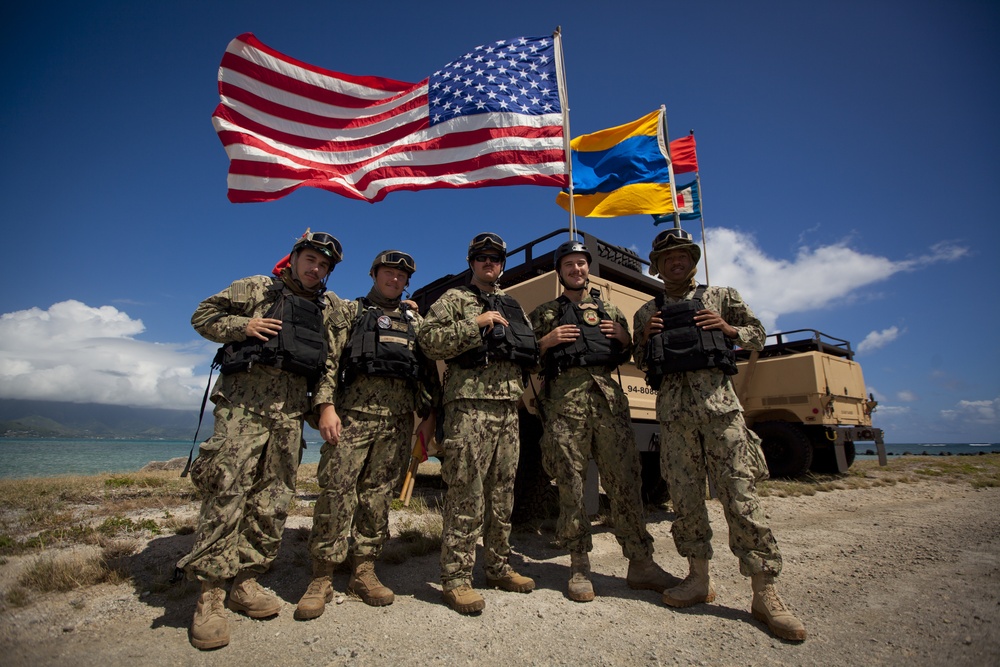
[262, 327]
[489, 319]
[329, 423]
[564, 333]
[612, 329]
[709, 319]
[653, 327]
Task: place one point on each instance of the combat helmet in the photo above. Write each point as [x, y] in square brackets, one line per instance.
[487, 241]
[670, 239]
[397, 259]
[323, 243]
[569, 248]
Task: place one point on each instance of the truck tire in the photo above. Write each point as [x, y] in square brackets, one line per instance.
[536, 497]
[786, 448]
[825, 458]
[655, 490]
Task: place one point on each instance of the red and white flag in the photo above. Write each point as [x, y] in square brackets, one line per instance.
[491, 117]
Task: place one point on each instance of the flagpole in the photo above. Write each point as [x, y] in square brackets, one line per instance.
[701, 216]
[564, 105]
[665, 148]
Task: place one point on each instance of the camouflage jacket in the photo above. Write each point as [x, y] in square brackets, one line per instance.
[562, 395]
[708, 391]
[383, 396]
[450, 329]
[223, 318]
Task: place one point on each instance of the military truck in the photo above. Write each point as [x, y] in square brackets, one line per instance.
[804, 397]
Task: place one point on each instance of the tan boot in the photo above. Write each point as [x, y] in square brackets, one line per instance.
[366, 585]
[464, 599]
[645, 575]
[770, 609]
[320, 591]
[513, 582]
[209, 627]
[580, 589]
[697, 586]
[249, 597]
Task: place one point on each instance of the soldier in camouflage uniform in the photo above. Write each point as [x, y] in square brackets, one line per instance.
[275, 332]
[586, 416]
[480, 446]
[702, 432]
[382, 379]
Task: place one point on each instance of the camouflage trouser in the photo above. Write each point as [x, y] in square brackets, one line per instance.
[569, 442]
[358, 476]
[246, 475]
[726, 451]
[480, 459]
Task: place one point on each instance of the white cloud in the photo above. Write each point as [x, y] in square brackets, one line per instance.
[906, 396]
[878, 339]
[75, 352]
[813, 280]
[980, 413]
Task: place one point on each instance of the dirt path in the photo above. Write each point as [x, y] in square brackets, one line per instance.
[901, 575]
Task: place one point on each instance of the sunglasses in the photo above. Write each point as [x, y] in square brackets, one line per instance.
[488, 258]
[399, 260]
[664, 237]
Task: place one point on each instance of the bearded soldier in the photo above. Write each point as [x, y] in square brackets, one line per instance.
[684, 341]
[488, 344]
[276, 338]
[582, 338]
[383, 377]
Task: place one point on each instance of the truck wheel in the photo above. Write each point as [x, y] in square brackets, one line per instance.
[536, 498]
[825, 458]
[786, 448]
[655, 490]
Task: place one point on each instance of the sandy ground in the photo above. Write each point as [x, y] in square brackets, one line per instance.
[900, 575]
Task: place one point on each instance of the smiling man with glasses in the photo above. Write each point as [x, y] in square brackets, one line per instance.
[488, 345]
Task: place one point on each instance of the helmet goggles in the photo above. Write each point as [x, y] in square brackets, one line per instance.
[322, 243]
[674, 236]
[397, 260]
[486, 241]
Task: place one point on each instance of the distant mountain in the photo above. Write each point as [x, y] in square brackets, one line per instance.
[56, 419]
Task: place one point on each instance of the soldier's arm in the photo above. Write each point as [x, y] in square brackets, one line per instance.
[339, 319]
[450, 327]
[750, 333]
[639, 336]
[223, 317]
[428, 399]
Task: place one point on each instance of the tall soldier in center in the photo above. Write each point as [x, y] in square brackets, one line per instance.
[488, 344]
[381, 379]
[582, 339]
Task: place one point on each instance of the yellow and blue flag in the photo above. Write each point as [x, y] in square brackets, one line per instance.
[623, 170]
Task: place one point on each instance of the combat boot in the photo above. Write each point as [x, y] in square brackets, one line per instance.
[464, 599]
[513, 582]
[770, 609]
[320, 591]
[696, 587]
[249, 597]
[645, 575]
[366, 585]
[209, 627]
[580, 589]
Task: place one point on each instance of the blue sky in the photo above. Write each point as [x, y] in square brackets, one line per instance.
[848, 155]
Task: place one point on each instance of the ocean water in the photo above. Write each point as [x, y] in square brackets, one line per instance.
[21, 458]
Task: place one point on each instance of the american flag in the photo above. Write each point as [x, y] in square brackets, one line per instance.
[491, 117]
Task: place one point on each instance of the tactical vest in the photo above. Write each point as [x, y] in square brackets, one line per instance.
[299, 347]
[592, 347]
[382, 344]
[514, 342]
[683, 346]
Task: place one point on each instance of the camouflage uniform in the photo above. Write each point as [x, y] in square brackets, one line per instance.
[358, 474]
[702, 432]
[586, 416]
[480, 447]
[246, 470]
